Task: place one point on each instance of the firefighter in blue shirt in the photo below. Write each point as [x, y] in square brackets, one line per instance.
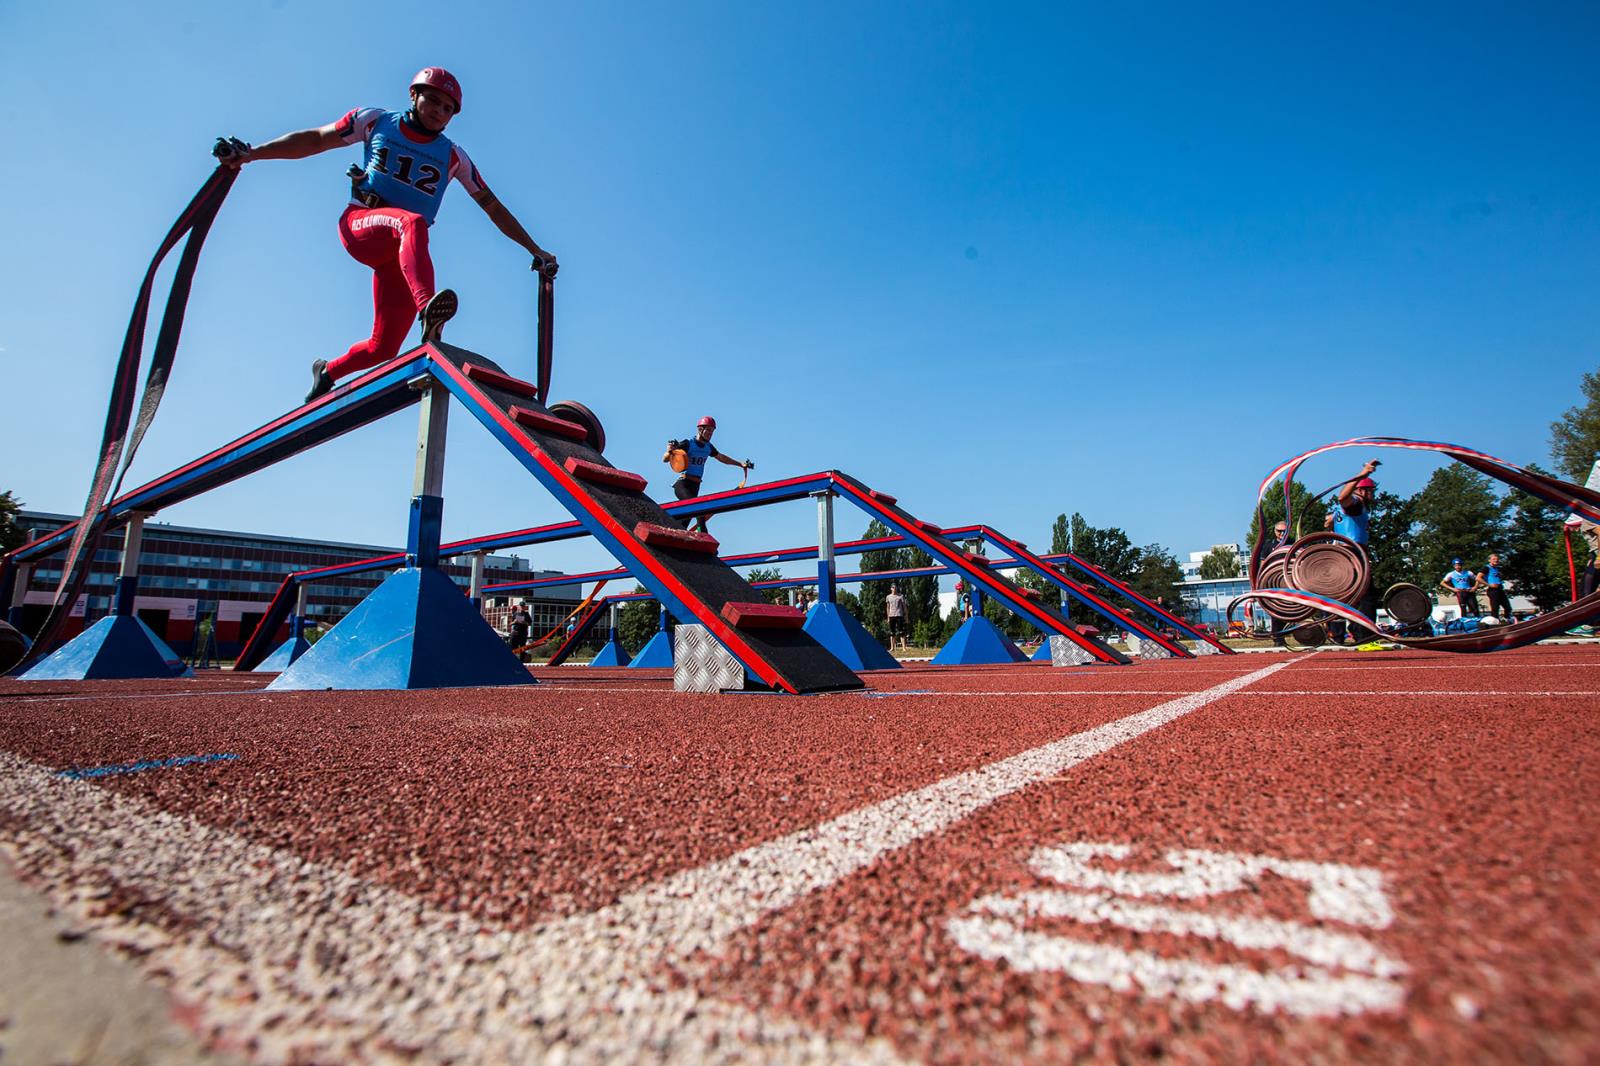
[688, 458]
[1462, 582]
[1493, 583]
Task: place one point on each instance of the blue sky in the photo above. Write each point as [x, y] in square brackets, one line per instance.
[1003, 261]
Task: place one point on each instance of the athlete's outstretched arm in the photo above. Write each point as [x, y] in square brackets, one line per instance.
[507, 223]
[300, 144]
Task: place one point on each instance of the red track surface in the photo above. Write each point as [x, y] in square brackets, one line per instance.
[606, 867]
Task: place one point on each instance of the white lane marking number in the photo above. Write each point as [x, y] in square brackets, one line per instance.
[1342, 972]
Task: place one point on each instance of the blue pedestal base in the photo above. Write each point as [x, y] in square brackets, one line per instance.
[657, 653]
[1042, 653]
[613, 654]
[978, 641]
[837, 630]
[416, 630]
[117, 646]
[284, 657]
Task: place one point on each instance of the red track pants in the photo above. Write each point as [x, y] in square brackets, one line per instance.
[394, 243]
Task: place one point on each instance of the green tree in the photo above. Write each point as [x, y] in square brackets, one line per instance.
[1158, 577]
[1219, 562]
[872, 594]
[1308, 516]
[921, 593]
[12, 535]
[1109, 549]
[1061, 535]
[759, 574]
[1391, 542]
[1575, 436]
[1457, 516]
[1535, 557]
[636, 624]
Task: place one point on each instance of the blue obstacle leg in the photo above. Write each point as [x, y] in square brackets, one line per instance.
[416, 630]
[837, 630]
[657, 653]
[118, 646]
[613, 654]
[978, 641]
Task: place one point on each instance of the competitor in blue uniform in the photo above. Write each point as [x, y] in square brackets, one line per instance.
[1462, 582]
[1351, 516]
[394, 197]
[696, 452]
[1493, 584]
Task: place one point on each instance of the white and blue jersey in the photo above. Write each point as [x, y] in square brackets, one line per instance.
[1491, 575]
[404, 167]
[1460, 580]
[697, 455]
[1352, 524]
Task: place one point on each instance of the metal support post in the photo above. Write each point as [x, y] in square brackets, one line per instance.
[977, 598]
[427, 502]
[128, 575]
[825, 570]
[297, 623]
[661, 622]
[19, 575]
[475, 590]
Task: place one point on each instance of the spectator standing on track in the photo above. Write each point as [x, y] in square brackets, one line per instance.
[1351, 515]
[1280, 537]
[1493, 584]
[1462, 582]
[395, 195]
[695, 452]
[894, 609]
[521, 623]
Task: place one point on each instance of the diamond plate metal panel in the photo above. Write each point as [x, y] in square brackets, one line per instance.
[1147, 649]
[701, 663]
[1064, 652]
[1202, 647]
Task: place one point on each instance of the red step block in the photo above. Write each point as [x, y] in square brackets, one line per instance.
[928, 527]
[584, 470]
[657, 536]
[484, 375]
[883, 497]
[548, 424]
[763, 615]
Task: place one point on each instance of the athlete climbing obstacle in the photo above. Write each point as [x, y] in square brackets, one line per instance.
[688, 458]
[394, 197]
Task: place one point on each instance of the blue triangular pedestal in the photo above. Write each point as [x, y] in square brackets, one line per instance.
[284, 657]
[117, 646]
[1042, 653]
[837, 630]
[656, 653]
[613, 654]
[416, 630]
[978, 641]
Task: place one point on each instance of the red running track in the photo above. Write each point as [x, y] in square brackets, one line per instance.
[1327, 856]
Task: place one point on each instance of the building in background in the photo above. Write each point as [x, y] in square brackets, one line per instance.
[1209, 597]
[187, 574]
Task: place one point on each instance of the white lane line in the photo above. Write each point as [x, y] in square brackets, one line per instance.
[313, 963]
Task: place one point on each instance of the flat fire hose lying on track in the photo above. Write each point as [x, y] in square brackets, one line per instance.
[194, 223]
[1307, 586]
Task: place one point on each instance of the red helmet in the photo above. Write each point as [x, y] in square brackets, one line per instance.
[706, 421]
[1366, 483]
[441, 79]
